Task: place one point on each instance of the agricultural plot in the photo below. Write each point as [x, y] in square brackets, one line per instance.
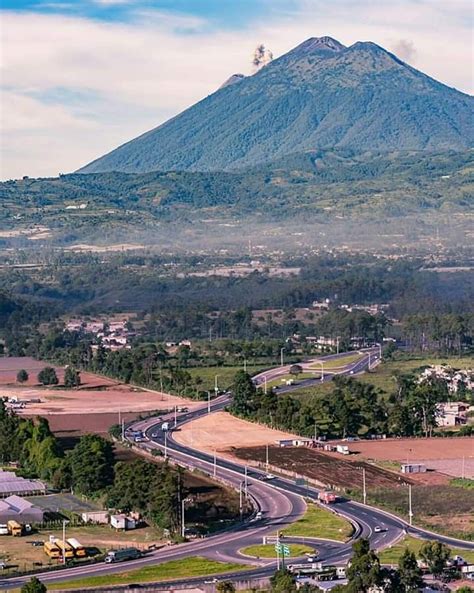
[327, 469]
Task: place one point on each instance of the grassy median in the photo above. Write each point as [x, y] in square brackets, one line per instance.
[321, 523]
[268, 550]
[174, 569]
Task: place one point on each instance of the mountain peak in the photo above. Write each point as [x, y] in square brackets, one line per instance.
[318, 44]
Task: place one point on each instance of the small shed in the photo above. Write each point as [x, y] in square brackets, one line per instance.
[122, 522]
[413, 468]
[97, 517]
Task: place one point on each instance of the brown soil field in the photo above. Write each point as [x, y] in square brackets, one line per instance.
[333, 472]
[222, 431]
[449, 456]
[70, 425]
[9, 368]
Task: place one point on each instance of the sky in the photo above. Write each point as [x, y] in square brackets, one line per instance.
[80, 77]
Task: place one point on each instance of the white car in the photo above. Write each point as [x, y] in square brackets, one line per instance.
[269, 477]
[378, 529]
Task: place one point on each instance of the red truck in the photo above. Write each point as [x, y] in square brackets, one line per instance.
[327, 497]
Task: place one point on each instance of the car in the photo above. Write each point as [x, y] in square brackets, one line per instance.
[269, 477]
[378, 529]
[259, 515]
[211, 581]
[154, 435]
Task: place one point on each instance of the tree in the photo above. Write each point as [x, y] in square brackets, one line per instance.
[225, 587]
[283, 582]
[22, 376]
[365, 572]
[410, 574]
[244, 394]
[296, 369]
[91, 464]
[72, 378]
[435, 554]
[34, 585]
[48, 376]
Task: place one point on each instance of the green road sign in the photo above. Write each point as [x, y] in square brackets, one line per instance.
[278, 548]
[286, 550]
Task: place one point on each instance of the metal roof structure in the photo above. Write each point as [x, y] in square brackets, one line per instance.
[11, 484]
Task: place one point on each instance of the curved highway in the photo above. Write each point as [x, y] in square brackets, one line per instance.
[279, 500]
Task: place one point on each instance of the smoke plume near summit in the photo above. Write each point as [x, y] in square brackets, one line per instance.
[261, 57]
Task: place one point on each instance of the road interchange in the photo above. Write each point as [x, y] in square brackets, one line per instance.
[280, 500]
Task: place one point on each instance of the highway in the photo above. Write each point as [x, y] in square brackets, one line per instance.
[280, 500]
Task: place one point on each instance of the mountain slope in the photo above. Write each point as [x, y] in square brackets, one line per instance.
[319, 95]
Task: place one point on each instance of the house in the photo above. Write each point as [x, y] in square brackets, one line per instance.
[452, 413]
[15, 508]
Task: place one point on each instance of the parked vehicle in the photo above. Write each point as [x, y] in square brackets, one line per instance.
[52, 550]
[14, 528]
[67, 551]
[4, 529]
[79, 549]
[122, 555]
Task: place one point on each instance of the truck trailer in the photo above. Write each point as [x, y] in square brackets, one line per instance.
[122, 555]
[327, 497]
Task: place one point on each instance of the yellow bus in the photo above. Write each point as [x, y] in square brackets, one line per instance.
[14, 528]
[79, 549]
[52, 550]
[66, 549]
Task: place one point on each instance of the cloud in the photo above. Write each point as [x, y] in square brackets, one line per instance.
[91, 84]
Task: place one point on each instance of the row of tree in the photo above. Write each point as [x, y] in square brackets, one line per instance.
[351, 408]
[90, 469]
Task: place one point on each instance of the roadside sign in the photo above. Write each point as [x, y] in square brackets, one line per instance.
[278, 548]
[286, 550]
[301, 482]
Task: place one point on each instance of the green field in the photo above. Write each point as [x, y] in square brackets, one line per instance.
[383, 376]
[321, 523]
[268, 550]
[392, 554]
[175, 569]
[225, 375]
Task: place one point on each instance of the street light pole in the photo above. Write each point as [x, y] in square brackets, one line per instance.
[215, 463]
[266, 458]
[246, 482]
[183, 526]
[216, 388]
[241, 508]
[208, 402]
[175, 416]
[166, 445]
[265, 380]
[281, 355]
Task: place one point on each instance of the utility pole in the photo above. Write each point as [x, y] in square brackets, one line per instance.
[183, 525]
[216, 387]
[123, 430]
[175, 416]
[369, 361]
[410, 511]
[277, 547]
[166, 445]
[64, 541]
[364, 485]
[215, 463]
[208, 402]
[246, 482]
[281, 355]
[241, 508]
[266, 458]
[315, 431]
